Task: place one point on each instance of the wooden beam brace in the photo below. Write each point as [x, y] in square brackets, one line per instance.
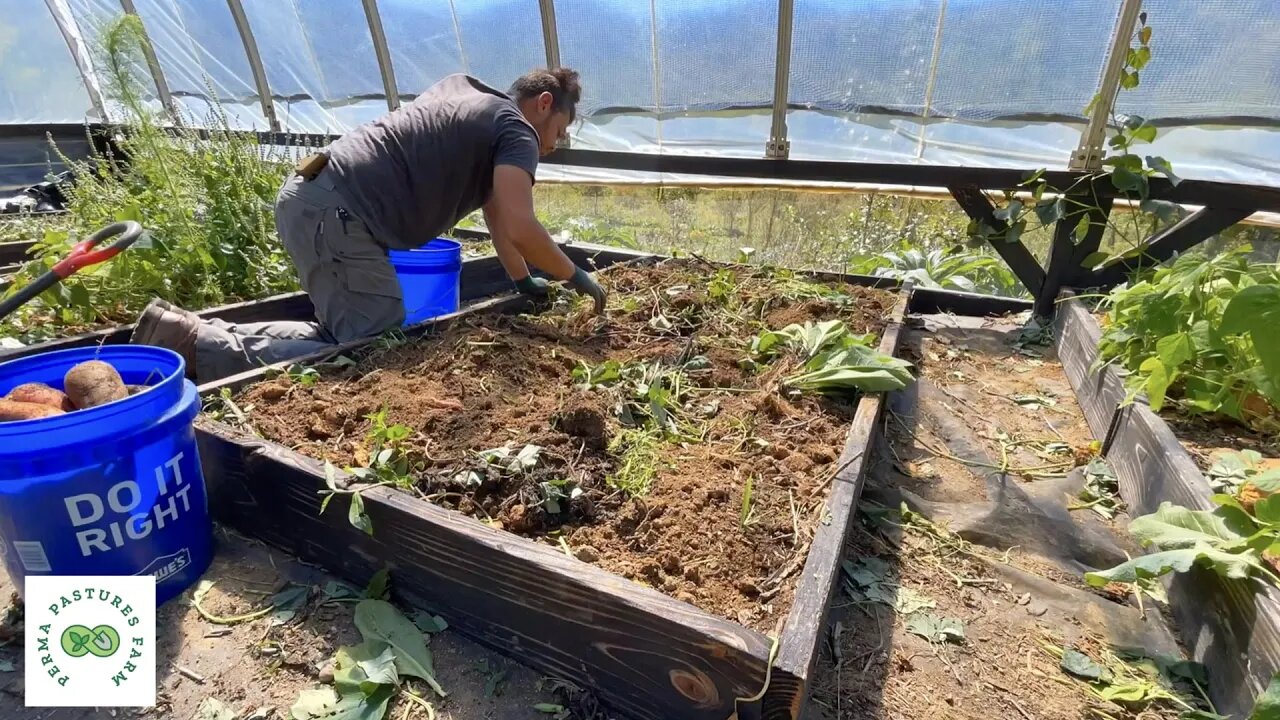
[1015, 254]
[1062, 252]
[1099, 215]
[1177, 238]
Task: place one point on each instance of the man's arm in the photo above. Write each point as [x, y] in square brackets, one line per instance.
[511, 259]
[516, 230]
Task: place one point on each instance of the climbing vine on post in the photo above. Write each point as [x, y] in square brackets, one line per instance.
[1126, 174]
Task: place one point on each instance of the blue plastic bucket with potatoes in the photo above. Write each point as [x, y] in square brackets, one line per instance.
[110, 490]
[430, 279]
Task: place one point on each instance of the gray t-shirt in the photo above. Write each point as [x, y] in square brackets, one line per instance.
[414, 173]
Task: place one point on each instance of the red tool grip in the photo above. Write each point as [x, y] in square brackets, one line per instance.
[83, 255]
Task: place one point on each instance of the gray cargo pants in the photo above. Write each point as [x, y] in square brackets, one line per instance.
[340, 265]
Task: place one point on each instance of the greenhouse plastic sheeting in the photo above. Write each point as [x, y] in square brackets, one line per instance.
[971, 82]
[39, 82]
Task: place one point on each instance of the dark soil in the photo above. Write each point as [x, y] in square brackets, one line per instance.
[496, 381]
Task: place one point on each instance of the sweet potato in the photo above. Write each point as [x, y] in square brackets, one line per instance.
[41, 394]
[14, 410]
[94, 383]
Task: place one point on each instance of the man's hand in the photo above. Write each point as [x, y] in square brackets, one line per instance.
[533, 287]
[587, 285]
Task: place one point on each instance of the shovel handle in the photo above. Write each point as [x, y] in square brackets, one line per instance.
[83, 254]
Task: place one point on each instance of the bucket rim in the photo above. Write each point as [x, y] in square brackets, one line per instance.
[75, 420]
[443, 246]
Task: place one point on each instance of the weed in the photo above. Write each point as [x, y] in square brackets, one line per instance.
[638, 451]
[748, 503]
[388, 461]
[204, 196]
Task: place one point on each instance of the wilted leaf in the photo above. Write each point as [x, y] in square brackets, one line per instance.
[429, 623]
[379, 587]
[548, 708]
[325, 704]
[380, 621]
[936, 629]
[287, 603]
[214, 709]
[1081, 665]
[357, 516]
[1173, 526]
[909, 601]
[334, 590]
[364, 667]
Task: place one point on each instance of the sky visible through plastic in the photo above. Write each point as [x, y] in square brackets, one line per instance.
[968, 82]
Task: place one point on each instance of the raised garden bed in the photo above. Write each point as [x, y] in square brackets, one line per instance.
[486, 381]
[481, 277]
[1231, 626]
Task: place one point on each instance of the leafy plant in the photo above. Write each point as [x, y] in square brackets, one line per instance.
[836, 361]
[1201, 332]
[558, 494]
[954, 268]
[1231, 471]
[638, 452]
[203, 195]
[1101, 492]
[1227, 540]
[748, 505]
[1135, 681]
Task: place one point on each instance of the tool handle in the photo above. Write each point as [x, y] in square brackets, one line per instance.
[83, 253]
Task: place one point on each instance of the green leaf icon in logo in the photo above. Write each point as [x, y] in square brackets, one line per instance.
[101, 641]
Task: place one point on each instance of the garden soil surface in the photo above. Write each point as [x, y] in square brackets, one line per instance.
[983, 450]
[495, 381]
[257, 670]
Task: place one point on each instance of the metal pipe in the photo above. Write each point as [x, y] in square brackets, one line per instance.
[384, 55]
[933, 78]
[779, 147]
[79, 53]
[153, 63]
[1088, 154]
[255, 63]
[550, 35]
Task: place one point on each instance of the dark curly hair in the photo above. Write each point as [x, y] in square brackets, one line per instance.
[562, 83]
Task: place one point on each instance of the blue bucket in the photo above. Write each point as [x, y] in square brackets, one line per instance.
[429, 279]
[111, 490]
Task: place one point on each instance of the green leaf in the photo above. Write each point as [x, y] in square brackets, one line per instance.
[286, 604]
[379, 587]
[1156, 383]
[429, 623]
[380, 621]
[1093, 260]
[1080, 665]
[1129, 80]
[548, 708]
[1144, 35]
[1050, 211]
[1173, 526]
[1253, 309]
[1145, 133]
[1139, 57]
[1162, 166]
[1235, 566]
[1268, 481]
[1174, 350]
[214, 709]
[1267, 510]
[1126, 162]
[364, 667]
[1267, 706]
[1128, 692]
[1126, 180]
[936, 629]
[324, 704]
[357, 516]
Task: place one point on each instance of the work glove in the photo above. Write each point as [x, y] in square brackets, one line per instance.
[533, 287]
[587, 285]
